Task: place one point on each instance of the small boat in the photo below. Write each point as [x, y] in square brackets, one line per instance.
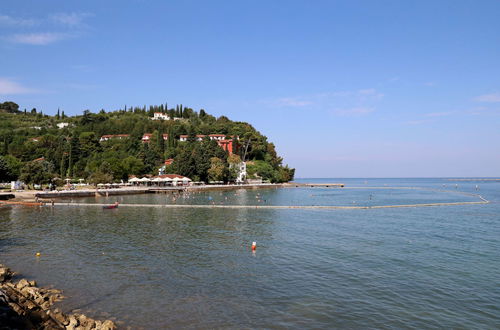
[113, 206]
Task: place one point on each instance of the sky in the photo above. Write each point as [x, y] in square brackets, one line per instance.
[342, 88]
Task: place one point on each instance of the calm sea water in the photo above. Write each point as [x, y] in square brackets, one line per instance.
[433, 267]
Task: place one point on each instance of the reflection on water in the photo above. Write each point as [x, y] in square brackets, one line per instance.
[171, 268]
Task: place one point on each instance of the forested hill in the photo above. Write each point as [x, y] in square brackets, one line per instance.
[37, 148]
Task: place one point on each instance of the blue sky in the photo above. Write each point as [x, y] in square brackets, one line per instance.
[343, 88]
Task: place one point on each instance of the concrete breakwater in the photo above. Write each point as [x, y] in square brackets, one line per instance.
[25, 306]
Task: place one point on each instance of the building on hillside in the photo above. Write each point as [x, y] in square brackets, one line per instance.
[62, 125]
[160, 116]
[114, 137]
[163, 116]
[146, 138]
[184, 138]
[241, 169]
[226, 144]
[217, 137]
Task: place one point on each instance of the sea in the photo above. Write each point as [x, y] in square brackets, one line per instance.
[169, 268]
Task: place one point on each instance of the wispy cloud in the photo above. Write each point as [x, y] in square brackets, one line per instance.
[490, 98]
[291, 102]
[418, 122]
[483, 111]
[438, 114]
[10, 87]
[344, 103]
[356, 111]
[40, 39]
[69, 19]
[370, 92]
[15, 21]
[61, 26]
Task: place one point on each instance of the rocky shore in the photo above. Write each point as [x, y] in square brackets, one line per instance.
[25, 306]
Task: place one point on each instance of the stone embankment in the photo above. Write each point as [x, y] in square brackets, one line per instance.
[25, 306]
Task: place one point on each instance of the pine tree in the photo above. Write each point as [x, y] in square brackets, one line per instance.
[58, 116]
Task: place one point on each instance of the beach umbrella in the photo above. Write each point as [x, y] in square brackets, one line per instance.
[134, 179]
[144, 179]
[157, 180]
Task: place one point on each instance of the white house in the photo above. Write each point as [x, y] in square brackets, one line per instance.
[160, 116]
[62, 125]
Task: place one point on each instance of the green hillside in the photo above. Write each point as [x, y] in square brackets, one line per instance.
[35, 149]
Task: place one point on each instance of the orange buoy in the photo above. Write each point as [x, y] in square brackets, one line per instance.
[254, 246]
